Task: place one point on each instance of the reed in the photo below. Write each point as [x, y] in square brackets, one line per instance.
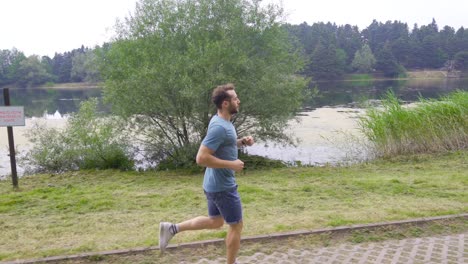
[427, 126]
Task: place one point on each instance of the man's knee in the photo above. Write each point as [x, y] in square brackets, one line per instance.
[236, 228]
[217, 222]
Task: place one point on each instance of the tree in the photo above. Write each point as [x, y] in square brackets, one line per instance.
[387, 63]
[327, 62]
[401, 49]
[461, 60]
[9, 63]
[84, 67]
[461, 40]
[349, 39]
[364, 60]
[47, 63]
[432, 55]
[169, 55]
[32, 72]
[62, 65]
[447, 41]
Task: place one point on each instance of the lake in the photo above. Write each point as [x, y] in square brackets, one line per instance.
[324, 132]
[342, 93]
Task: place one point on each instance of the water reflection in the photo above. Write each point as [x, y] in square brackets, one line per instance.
[37, 101]
[347, 92]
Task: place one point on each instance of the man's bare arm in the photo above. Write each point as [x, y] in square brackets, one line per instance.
[206, 158]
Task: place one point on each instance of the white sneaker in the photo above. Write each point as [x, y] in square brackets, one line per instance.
[165, 235]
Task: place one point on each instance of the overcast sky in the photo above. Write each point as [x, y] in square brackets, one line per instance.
[43, 27]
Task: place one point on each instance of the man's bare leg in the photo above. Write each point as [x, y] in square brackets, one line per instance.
[233, 242]
[168, 230]
[201, 222]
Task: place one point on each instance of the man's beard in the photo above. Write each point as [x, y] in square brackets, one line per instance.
[233, 110]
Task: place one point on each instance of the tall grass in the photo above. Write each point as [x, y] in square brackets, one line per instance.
[429, 126]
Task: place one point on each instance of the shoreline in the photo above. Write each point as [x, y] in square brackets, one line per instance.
[61, 86]
[430, 74]
[324, 135]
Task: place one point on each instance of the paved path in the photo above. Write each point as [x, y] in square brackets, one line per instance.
[437, 250]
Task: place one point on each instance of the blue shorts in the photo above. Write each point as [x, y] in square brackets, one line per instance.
[226, 204]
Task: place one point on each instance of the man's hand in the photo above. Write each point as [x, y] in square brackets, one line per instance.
[237, 165]
[247, 141]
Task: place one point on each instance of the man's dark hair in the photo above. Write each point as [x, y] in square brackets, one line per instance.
[220, 94]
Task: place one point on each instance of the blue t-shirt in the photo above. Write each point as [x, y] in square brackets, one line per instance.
[222, 139]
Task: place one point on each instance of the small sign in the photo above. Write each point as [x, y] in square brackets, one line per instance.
[12, 116]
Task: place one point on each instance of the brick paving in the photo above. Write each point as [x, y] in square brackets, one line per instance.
[437, 250]
[425, 250]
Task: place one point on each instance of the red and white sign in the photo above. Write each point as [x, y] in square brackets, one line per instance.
[12, 116]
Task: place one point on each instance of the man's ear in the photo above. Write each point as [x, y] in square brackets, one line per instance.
[225, 103]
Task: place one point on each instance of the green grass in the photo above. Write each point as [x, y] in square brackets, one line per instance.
[104, 210]
[410, 74]
[430, 126]
[71, 86]
[361, 80]
[360, 77]
[425, 74]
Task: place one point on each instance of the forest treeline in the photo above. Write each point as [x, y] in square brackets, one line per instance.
[330, 51]
[389, 48]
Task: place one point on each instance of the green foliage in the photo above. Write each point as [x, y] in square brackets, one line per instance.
[361, 80]
[85, 67]
[423, 47]
[430, 126]
[327, 62]
[9, 63]
[254, 162]
[387, 63]
[88, 141]
[461, 60]
[31, 72]
[169, 55]
[364, 60]
[349, 39]
[182, 158]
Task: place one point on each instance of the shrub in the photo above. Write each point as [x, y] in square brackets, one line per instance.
[181, 158]
[254, 162]
[185, 159]
[88, 141]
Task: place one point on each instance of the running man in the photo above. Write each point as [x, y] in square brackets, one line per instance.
[218, 153]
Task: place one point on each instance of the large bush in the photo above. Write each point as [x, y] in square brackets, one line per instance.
[88, 141]
[169, 55]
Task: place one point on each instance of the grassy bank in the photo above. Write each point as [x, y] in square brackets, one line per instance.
[102, 210]
[71, 86]
[426, 74]
[411, 74]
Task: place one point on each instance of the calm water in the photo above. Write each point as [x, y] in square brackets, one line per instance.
[36, 102]
[66, 101]
[347, 92]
